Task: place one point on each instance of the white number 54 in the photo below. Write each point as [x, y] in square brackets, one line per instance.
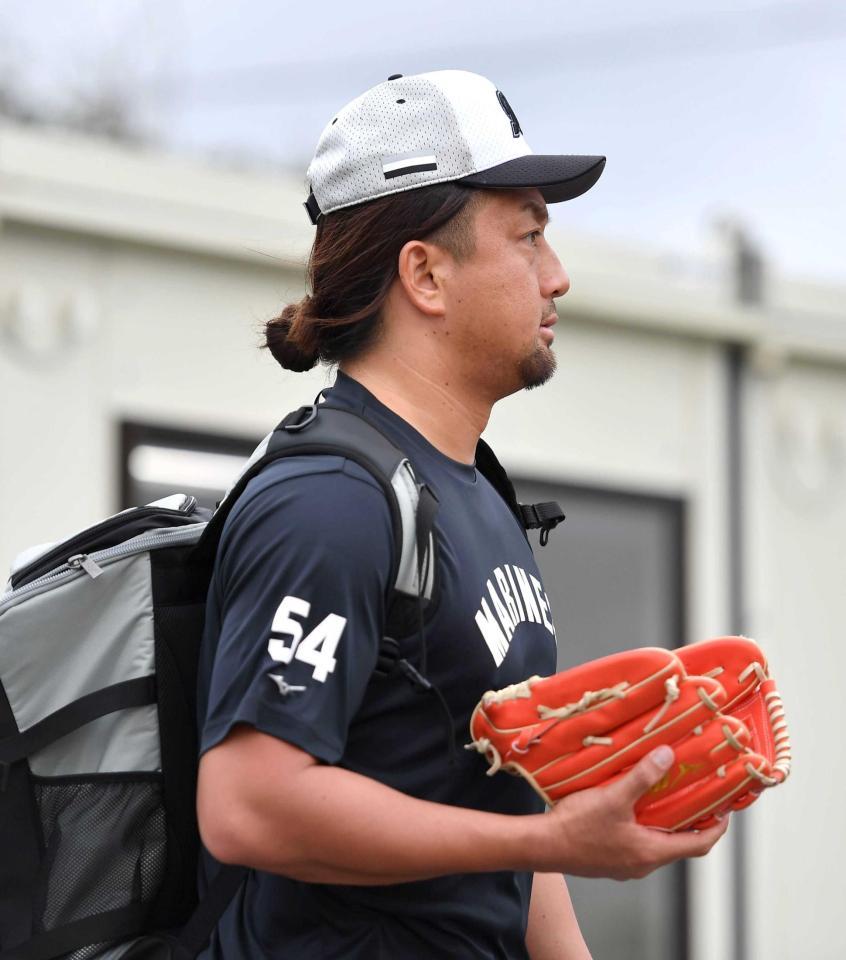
[317, 649]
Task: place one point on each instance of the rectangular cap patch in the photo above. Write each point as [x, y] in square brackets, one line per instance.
[403, 164]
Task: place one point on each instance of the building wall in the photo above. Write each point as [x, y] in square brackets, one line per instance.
[171, 338]
[796, 570]
[98, 327]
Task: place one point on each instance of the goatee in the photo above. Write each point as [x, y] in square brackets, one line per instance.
[538, 367]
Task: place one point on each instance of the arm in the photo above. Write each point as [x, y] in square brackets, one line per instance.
[266, 804]
[263, 799]
[553, 932]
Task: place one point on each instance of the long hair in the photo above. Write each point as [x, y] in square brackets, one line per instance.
[352, 265]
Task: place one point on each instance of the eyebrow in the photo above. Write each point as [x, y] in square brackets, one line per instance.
[539, 211]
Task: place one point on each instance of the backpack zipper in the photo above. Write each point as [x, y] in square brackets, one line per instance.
[91, 564]
[115, 521]
[83, 561]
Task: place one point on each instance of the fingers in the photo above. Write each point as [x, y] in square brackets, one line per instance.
[689, 843]
[644, 775]
[711, 835]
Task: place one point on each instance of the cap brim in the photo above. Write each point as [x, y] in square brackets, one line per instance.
[558, 177]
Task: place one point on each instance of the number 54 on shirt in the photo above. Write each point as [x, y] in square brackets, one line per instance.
[317, 648]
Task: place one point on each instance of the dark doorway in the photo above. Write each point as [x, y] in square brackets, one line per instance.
[614, 574]
[157, 461]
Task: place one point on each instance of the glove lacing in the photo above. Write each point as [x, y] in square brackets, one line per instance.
[778, 724]
[590, 697]
[514, 691]
[671, 686]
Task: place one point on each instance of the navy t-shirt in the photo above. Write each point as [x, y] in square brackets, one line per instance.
[294, 619]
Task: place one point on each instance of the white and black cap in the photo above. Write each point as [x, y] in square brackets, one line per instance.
[429, 128]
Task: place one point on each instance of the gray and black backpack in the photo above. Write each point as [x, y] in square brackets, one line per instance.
[99, 639]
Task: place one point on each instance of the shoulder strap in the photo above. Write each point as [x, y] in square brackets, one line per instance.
[220, 893]
[324, 429]
[531, 516]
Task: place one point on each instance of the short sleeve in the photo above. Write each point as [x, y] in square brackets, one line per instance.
[302, 574]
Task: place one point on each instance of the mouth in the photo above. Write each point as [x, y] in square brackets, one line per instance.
[546, 332]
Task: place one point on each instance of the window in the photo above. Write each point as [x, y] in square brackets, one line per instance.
[157, 461]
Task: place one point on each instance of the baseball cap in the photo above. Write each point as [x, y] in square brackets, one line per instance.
[446, 125]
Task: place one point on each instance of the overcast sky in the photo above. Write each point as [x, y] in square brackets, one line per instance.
[704, 108]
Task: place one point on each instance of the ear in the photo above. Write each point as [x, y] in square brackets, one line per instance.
[421, 270]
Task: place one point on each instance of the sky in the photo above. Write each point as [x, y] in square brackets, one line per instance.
[706, 110]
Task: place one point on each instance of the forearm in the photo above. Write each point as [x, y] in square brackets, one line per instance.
[325, 824]
[355, 830]
[553, 932]
[266, 804]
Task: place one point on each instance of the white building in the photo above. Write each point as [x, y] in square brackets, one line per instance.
[697, 445]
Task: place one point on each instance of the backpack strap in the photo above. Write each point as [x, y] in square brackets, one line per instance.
[69, 937]
[324, 429]
[544, 516]
[20, 840]
[220, 893]
[531, 516]
[138, 692]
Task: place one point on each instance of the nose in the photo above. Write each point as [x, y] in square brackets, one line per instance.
[555, 282]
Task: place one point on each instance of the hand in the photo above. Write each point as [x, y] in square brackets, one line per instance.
[594, 833]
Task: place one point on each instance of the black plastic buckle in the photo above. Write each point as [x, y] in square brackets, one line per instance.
[388, 657]
[531, 520]
[299, 419]
[312, 209]
[543, 516]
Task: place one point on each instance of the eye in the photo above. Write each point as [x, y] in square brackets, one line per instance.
[531, 237]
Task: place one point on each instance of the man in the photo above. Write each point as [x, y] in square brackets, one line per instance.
[433, 287]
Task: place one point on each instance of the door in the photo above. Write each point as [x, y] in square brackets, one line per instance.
[613, 571]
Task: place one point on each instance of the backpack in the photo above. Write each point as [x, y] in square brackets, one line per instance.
[99, 640]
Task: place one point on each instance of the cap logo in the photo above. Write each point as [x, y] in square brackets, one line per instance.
[512, 116]
[400, 165]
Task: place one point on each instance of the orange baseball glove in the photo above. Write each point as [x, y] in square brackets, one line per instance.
[713, 702]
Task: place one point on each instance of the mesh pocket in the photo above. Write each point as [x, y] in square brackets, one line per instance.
[104, 840]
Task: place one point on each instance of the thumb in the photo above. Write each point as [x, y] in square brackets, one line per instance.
[645, 774]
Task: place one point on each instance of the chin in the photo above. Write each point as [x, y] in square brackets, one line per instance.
[538, 367]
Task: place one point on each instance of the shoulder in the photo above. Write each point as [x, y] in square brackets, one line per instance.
[294, 477]
[322, 503]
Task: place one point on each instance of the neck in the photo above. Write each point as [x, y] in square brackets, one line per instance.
[436, 404]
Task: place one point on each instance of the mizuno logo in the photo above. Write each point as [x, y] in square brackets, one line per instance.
[284, 687]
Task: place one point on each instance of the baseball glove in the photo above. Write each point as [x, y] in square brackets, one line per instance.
[713, 702]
